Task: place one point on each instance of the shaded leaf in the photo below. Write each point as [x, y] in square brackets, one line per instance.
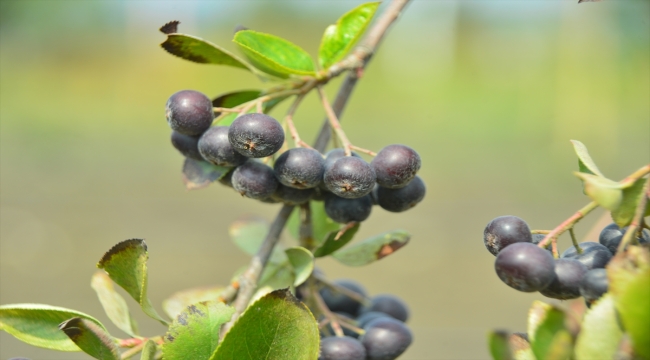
[194, 334]
[605, 192]
[332, 244]
[373, 248]
[339, 38]
[149, 351]
[302, 262]
[180, 300]
[276, 327]
[321, 224]
[91, 338]
[585, 163]
[198, 174]
[520, 347]
[126, 265]
[601, 334]
[249, 233]
[274, 55]
[235, 98]
[536, 314]
[552, 340]
[275, 276]
[499, 347]
[38, 324]
[624, 213]
[113, 303]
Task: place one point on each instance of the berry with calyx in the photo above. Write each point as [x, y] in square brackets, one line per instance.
[349, 177]
[341, 348]
[347, 210]
[402, 199]
[292, 196]
[566, 283]
[594, 285]
[215, 148]
[611, 237]
[525, 267]
[505, 230]
[254, 180]
[337, 301]
[189, 112]
[336, 154]
[256, 135]
[300, 168]
[396, 165]
[390, 305]
[186, 145]
[594, 255]
[386, 339]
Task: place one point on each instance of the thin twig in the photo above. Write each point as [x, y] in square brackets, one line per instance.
[334, 121]
[575, 241]
[365, 151]
[630, 179]
[567, 224]
[540, 231]
[638, 218]
[289, 120]
[328, 314]
[342, 290]
[306, 229]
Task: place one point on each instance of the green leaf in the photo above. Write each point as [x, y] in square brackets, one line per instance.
[249, 233]
[180, 300]
[276, 327]
[585, 163]
[126, 264]
[194, 334]
[373, 248]
[275, 276]
[536, 315]
[149, 351]
[332, 243]
[235, 98]
[302, 262]
[629, 284]
[274, 55]
[91, 338]
[600, 333]
[113, 303]
[552, 340]
[199, 174]
[339, 38]
[605, 192]
[38, 325]
[499, 347]
[321, 224]
[624, 214]
[520, 347]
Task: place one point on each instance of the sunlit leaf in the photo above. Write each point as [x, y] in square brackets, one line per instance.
[605, 192]
[372, 249]
[149, 351]
[624, 213]
[275, 276]
[585, 163]
[91, 338]
[322, 225]
[113, 303]
[552, 340]
[600, 333]
[249, 233]
[180, 300]
[302, 262]
[235, 98]
[499, 347]
[199, 174]
[332, 244]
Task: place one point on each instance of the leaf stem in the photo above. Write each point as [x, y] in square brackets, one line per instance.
[630, 179]
[575, 241]
[637, 221]
[132, 351]
[566, 225]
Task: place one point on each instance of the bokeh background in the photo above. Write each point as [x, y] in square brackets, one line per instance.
[489, 93]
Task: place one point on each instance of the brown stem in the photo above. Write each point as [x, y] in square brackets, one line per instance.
[630, 179]
[328, 314]
[566, 225]
[334, 121]
[132, 351]
[638, 218]
[306, 230]
[365, 151]
[540, 231]
[340, 289]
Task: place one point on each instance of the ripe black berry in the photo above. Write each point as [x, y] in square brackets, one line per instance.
[402, 199]
[189, 112]
[386, 339]
[336, 154]
[369, 316]
[254, 180]
[292, 196]
[594, 285]
[347, 210]
[337, 301]
[396, 165]
[300, 168]
[503, 231]
[566, 283]
[256, 135]
[341, 348]
[186, 145]
[349, 177]
[594, 255]
[525, 267]
[390, 305]
[215, 148]
[612, 235]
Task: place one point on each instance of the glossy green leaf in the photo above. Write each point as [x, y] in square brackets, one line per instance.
[339, 38]
[322, 225]
[179, 301]
[585, 163]
[276, 327]
[605, 192]
[332, 244]
[235, 98]
[372, 249]
[552, 340]
[91, 338]
[302, 262]
[38, 324]
[600, 333]
[624, 213]
[194, 334]
[149, 351]
[249, 233]
[499, 347]
[113, 303]
[126, 265]
[274, 55]
[199, 174]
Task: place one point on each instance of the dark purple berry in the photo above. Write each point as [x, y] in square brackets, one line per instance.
[594, 255]
[402, 199]
[503, 231]
[390, 305]
[187, 145]
[525, 267]
[337, 301]
[336, 154]
[300, 168]
[347, 210]
[292, 196]
[341, 348]
[189, 112]
[349, 177]
[386, 339]
[256, 135]
[368, 316]
[254, 180]
[215, 148]
[566, 283]
[594, 285]
[612, 235]
[396, 165]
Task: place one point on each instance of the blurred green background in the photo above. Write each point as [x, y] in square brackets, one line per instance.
[489, 93]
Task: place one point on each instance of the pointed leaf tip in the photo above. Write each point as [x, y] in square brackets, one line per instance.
[585, 163]
[122, 246]
[170, 28]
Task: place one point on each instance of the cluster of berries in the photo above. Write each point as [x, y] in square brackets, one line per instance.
[348, 184]
[524, 266]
